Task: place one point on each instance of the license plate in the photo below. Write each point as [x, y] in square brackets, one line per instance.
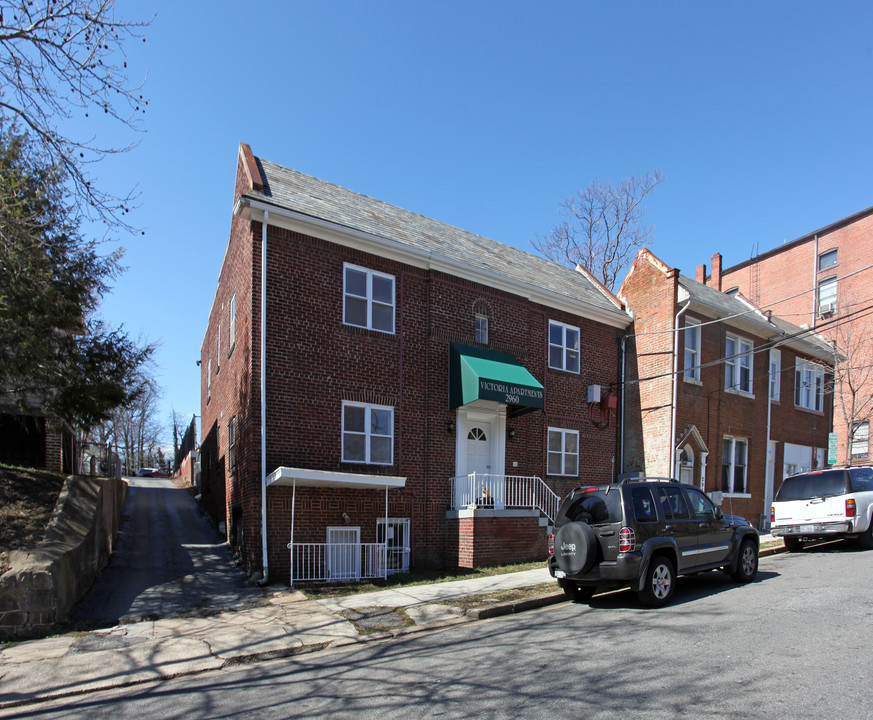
[807, 528]
[560, 574]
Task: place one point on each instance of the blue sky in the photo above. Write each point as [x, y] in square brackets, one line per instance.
[485, 115]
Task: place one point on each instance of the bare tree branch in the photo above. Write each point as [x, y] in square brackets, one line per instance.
[63, 60]
[603, 227]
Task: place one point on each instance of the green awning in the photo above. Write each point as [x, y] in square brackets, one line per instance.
[477, 374]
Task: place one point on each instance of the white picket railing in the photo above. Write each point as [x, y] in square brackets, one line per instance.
[344, 562]
[504, 491]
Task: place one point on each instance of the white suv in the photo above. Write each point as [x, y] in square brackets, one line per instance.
[824, 505]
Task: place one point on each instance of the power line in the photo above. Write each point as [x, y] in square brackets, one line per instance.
[756, 309]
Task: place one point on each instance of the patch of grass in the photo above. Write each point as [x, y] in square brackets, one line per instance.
[422, 577]
[27, 500]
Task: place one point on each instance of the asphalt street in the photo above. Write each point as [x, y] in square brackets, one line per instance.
[169, 560]
[796, 643]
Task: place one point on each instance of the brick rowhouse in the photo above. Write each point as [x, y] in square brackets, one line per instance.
[402, 356]
[733, 384]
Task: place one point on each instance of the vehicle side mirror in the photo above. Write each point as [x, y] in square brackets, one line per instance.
[718, 513]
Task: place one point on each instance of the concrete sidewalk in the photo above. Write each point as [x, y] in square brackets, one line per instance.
[283, 623]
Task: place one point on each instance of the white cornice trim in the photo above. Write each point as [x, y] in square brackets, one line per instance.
[401, 252]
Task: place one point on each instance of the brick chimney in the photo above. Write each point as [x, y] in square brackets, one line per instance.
[716, 272]
[701, 274]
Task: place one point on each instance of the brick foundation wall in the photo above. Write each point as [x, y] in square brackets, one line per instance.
[495, 540]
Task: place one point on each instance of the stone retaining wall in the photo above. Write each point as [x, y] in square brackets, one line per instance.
[46, 580]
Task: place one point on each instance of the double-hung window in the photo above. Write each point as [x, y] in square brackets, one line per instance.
[563, 452]
[692, 349]
[775, 373]
[368, 434]
[563, 347]
[368, 299]
[861, 440]
[209, 380]
[827, 296]
[482, 329]
[738, 364]
[808, 385]
[734, 466]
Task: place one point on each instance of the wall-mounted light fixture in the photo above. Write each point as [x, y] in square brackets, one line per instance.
[450, 426]
[511, 434]
[346, 518]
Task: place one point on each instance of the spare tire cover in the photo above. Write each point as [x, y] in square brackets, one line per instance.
[575, 548]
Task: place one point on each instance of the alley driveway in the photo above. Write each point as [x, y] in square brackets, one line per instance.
[169, 560]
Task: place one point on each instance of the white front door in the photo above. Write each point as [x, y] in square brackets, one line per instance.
[343, 560]
[479, 448]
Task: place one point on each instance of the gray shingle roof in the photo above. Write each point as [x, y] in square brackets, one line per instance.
[728, 306]
[310, 196]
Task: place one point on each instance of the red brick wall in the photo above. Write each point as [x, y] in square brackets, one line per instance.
[777, 279]
[314, 363]
[705, 405]
[488, 541]
[650, 294]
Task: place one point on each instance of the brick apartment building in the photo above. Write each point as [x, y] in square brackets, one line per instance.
[424, 388]
[716, 404]
[822, 280]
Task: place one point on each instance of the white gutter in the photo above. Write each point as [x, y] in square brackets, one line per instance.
[264, 559]
[675, 386]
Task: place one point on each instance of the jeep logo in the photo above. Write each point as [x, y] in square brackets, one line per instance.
[568, 546]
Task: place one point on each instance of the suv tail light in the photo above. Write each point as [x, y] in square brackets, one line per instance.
[627, 540]
[772, 513]
[850, 507]
[551, 543]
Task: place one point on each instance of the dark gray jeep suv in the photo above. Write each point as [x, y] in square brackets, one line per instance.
[644, 533]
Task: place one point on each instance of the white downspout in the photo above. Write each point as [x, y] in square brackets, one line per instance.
[675, 387]
[264, 560]
[769, 476]
[623, 405]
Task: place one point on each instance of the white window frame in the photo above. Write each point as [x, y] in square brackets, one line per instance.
[861, 442]
[367, 433]
[218, 347]
[481, 329]
[827, 296]
[692, 364]
[738, 358]
[369, 299]
[563, 453]
[209, 380]
[232, 321]
[809, 381]
[728, 488]
[231, 442]
[775, 374]
[565, 347]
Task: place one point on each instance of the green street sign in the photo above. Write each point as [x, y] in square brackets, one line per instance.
[832, 448]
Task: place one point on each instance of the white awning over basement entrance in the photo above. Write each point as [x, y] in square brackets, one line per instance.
[302, 477]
